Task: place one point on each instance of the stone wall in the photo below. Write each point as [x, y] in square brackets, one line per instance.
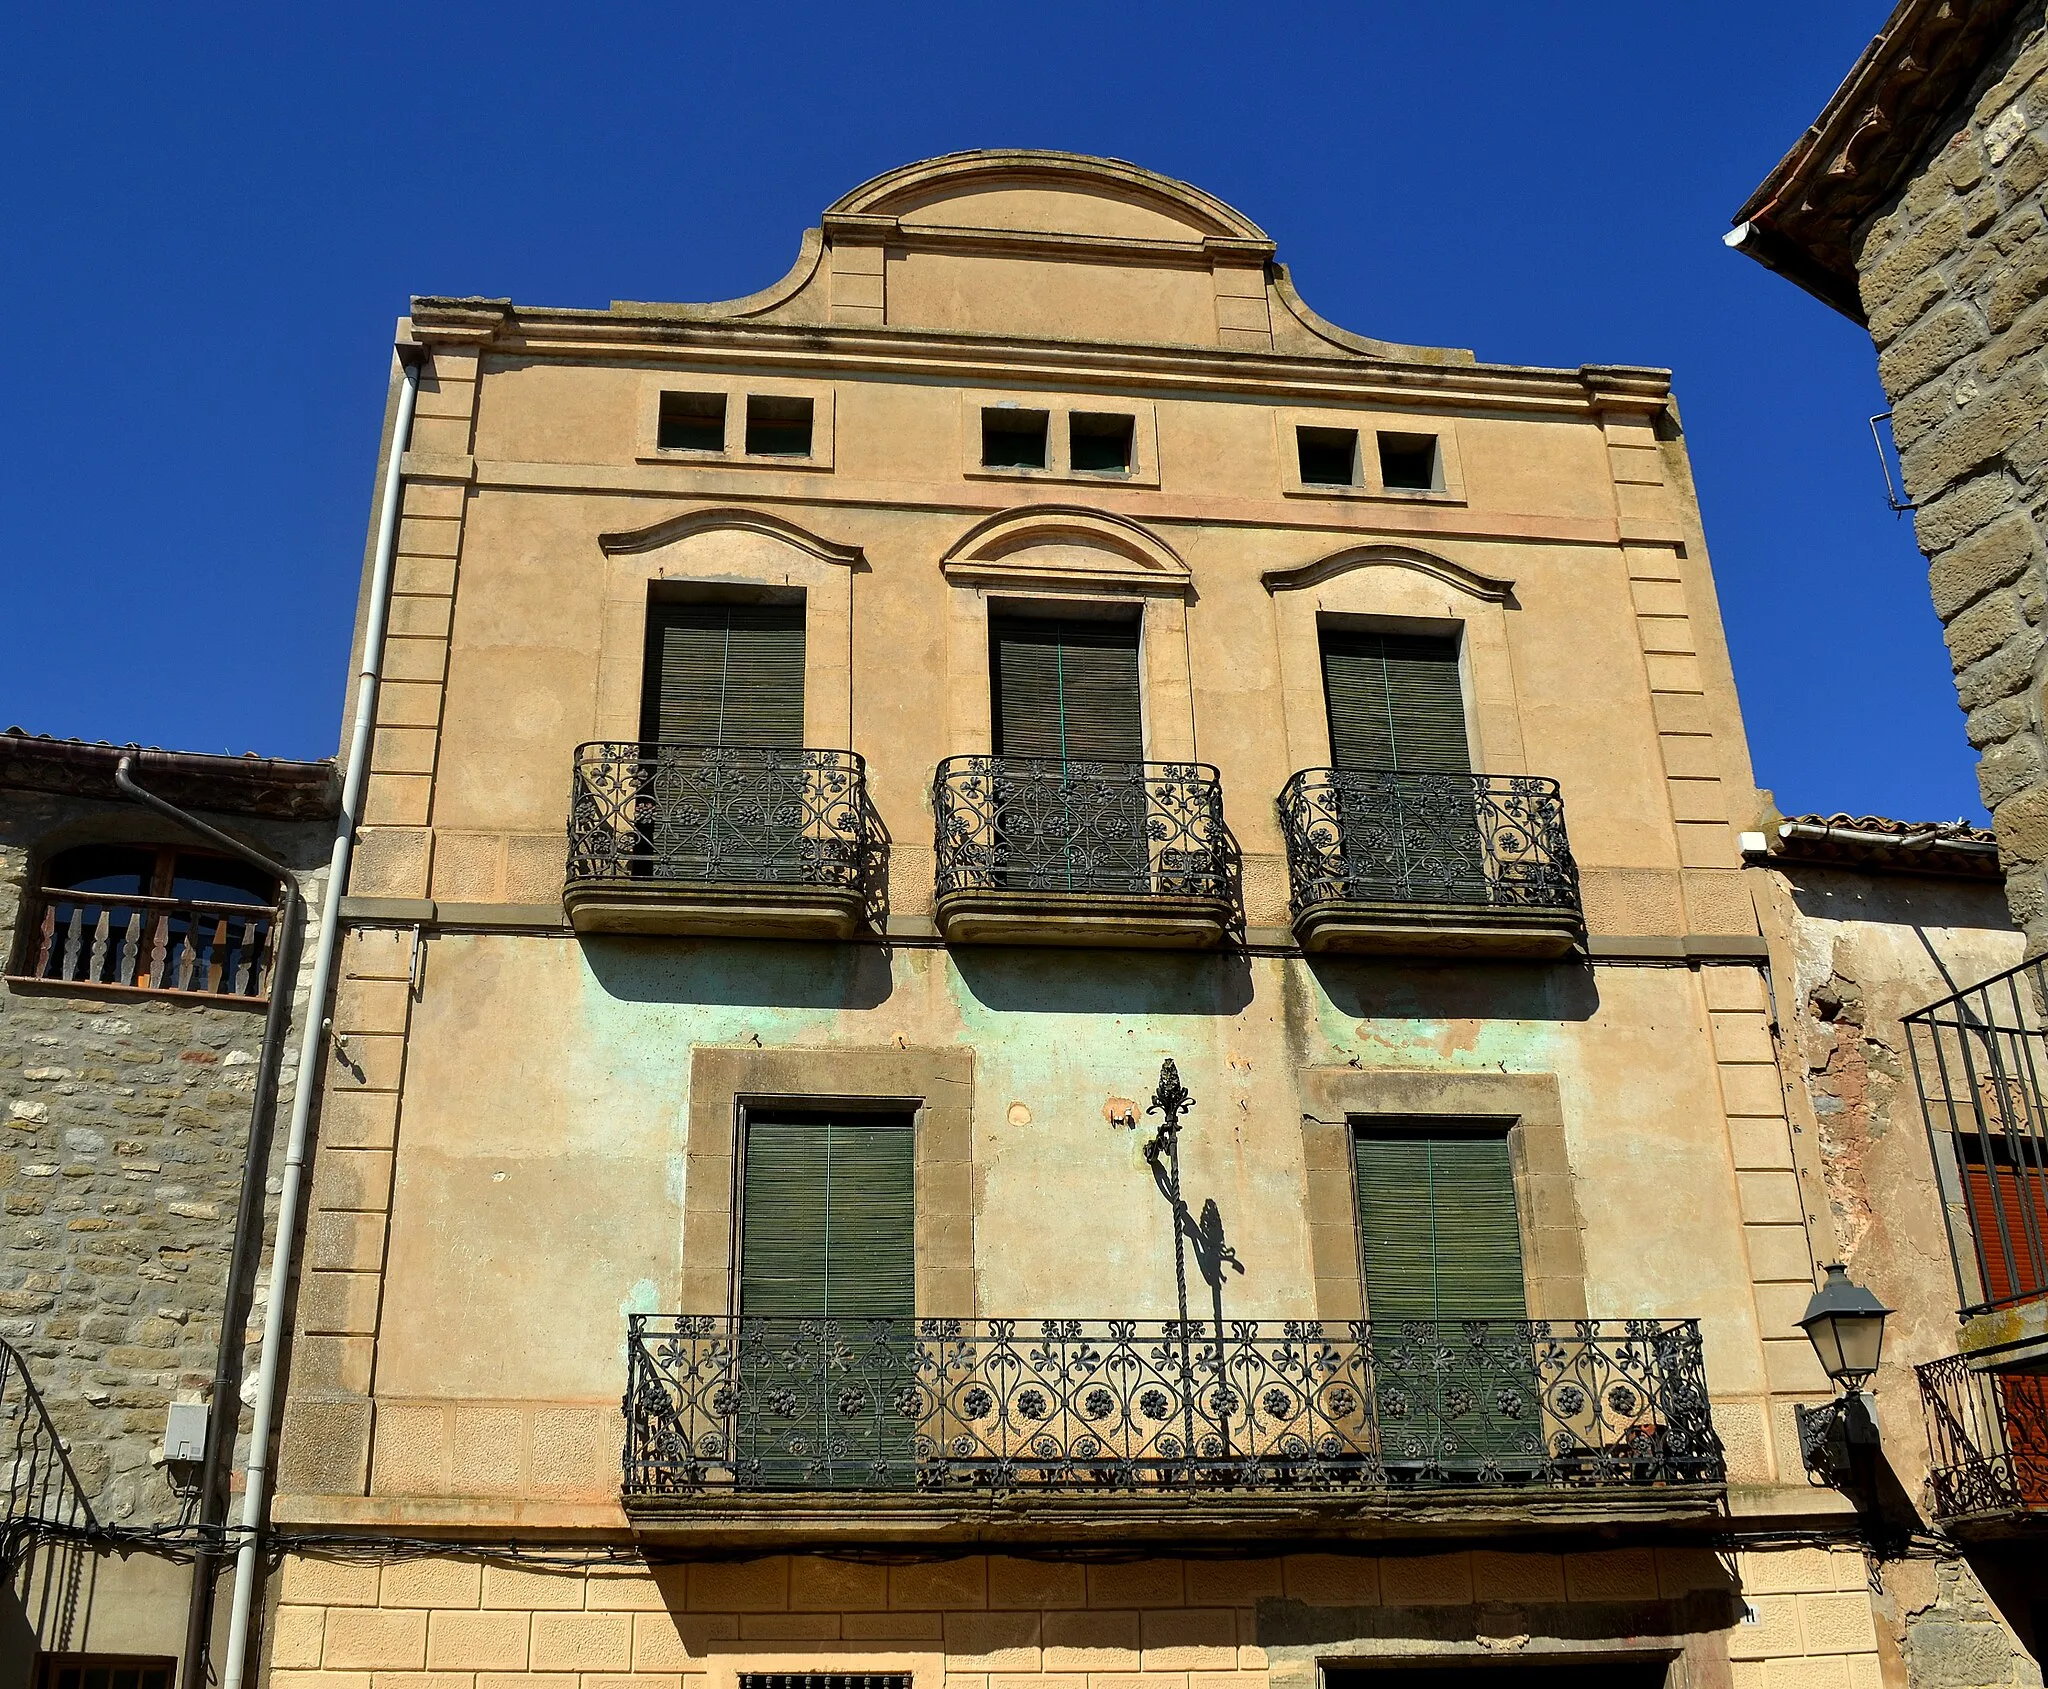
[1953, 276]
[993, 1622]
[124, 1122]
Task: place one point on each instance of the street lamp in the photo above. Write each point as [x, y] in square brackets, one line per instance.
[1845, 1325]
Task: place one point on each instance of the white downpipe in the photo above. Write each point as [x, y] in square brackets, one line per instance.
[255, 1496]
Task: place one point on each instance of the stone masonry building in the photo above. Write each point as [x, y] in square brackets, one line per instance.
[1915, 205]
[848, 757]
[131, 1024]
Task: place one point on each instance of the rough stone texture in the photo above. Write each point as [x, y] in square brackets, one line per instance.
[1955, 1639]
[124, 1123]
[1952, 276]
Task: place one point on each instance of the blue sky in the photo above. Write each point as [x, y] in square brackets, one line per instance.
[214, 214]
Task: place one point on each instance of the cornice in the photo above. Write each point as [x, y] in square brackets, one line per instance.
[1199, 253]
[731, 517]
[1491, 588]
[621, 334]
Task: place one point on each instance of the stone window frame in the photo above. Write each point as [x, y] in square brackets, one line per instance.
[1546, 1199]
[736, 390]
[935, 1087]
[1397, 589]
[1060, 408]
[1368, 425]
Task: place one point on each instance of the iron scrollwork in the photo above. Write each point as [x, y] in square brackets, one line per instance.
[720, 813]
[1987, 1436]
[1105, 1407]
[1033, 824]
[1380, 836]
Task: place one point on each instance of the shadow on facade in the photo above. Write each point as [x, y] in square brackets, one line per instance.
[765, 975]
[1103, 982]
[1400, 988]
[1828, 894]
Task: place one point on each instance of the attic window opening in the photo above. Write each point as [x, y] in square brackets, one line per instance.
[1102, 443]
[1329, 456]
[778, 427]
[1409, 463]
[1013, 439]
[692, 422]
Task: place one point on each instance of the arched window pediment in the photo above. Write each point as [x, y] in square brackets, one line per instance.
[1067, 545]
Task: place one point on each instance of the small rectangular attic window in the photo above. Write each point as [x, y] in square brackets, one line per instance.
[1013, 439]
[1100, 442]
[1329, 456]
[778, 427]
[692, 422]
[1408, 463]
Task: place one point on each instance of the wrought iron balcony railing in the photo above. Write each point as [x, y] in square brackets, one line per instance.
[1980, 1061]
[187, 946]
[1110, 1407]
[1375, 836]
[720, 814]
[1987, 1438]
[1135, 829]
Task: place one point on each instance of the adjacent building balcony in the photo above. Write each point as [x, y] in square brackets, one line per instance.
[1035, 851]
[1987, 1436]
[736, 840]
[740, 1429]
[1416, 863]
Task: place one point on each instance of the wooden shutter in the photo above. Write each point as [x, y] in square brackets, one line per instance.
[724, 674]
[2021, 1201]
[828, 1223]
[1066, 690]
[1395, 701]
[1437, 1219]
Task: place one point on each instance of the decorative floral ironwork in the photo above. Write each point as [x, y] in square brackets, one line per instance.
[1987, 1438]
[720, 814]
[1105, 1406]
[1030, 824]
[1377, 836]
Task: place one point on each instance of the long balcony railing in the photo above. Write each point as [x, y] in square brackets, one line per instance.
[720, 814]
[188, 946]
[42, 1494]
[1987, 1439]
[1376, 836]
[1126, 829]
[1113, 1407]
[1980, 1062]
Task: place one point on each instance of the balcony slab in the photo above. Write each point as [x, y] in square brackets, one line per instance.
[2013, 1336]
[780, 1522]
[694, 908]
[1138, 920]
[1437, 929]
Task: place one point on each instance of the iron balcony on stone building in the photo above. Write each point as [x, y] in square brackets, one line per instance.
[1980, 1062]
[751, 1427]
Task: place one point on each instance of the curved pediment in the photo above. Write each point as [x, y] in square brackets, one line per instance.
[674, 528]
[1052, 544]
[1487, 587]
[1024, 191]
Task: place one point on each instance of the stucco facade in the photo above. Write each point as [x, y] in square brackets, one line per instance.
[528, 1128]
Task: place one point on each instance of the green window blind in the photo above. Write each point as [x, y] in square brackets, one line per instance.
[1066, 690]
[1394, 701]
[1436, 1213]
[724, 674]
[828, 1224]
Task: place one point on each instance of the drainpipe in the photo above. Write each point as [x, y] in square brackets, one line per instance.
[255, 1499]
[224, 1408]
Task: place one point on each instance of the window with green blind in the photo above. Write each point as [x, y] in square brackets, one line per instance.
[723, 674]
[1066, 690]
[828, 1219]
[1395, 701]
[827, 1231]
[1437, 1220]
